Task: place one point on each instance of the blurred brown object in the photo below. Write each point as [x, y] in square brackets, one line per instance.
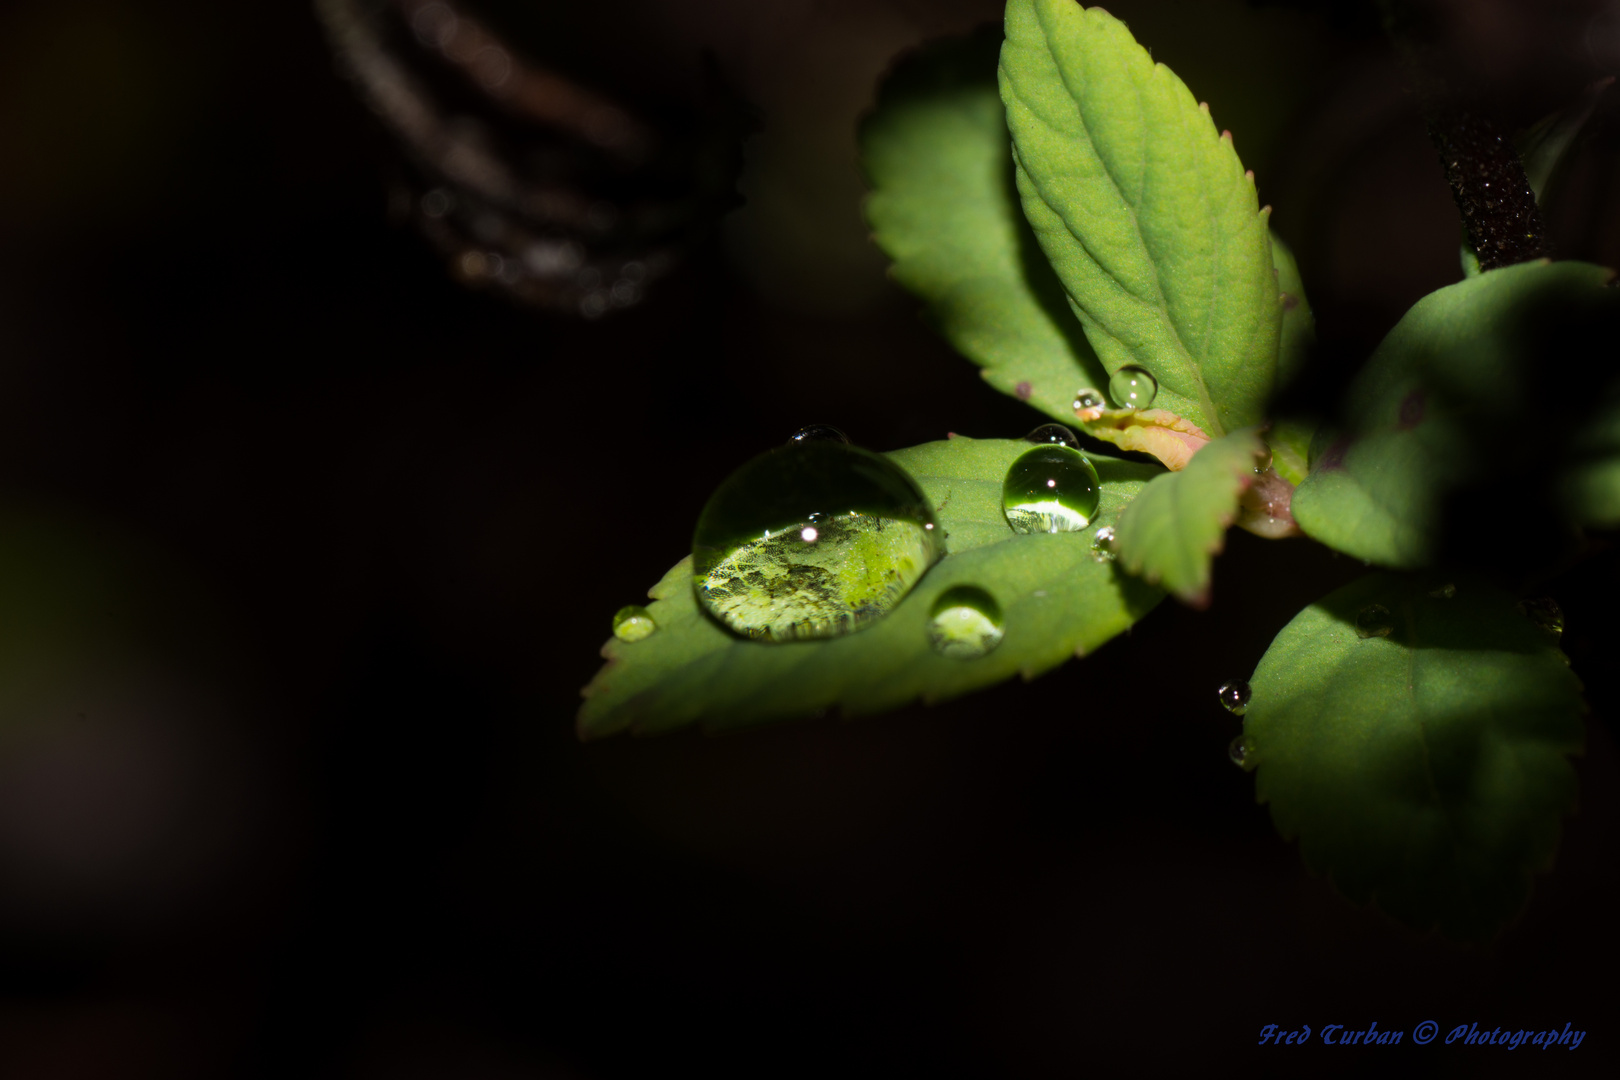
[528, 181]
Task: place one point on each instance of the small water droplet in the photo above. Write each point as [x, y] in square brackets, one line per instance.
[1050, 489]
[1133, 388]
[1103, 546]
[633, 623]
[1056, 434]
[1238, 751]
[819, 433]
[1234, 696]
[1444, 592]
[965, 623]
[1374, 620]
[813, 540]
[1087, 398]
[1545, 613]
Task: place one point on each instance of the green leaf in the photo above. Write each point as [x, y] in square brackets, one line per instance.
[944, 208]
[1290, 442]
[1457, 372]
[1172, 532]
[1057, 600]
[1424, 770]
[1545, 146]
[1144, 210]
[1590, 486]
[1298, 324]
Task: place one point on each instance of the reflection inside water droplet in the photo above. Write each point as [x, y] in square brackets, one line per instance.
[965, 623]
[813, 540]
[1234, 696]
[1086, 398]
[633, 623]
[1133, 388]
[1238, 751]
[819, 433]
[1055, 434]
[1374, 620]
[1104, 548]
[1050, 489]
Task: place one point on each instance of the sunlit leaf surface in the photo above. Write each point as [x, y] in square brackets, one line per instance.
[1145, 212]
[1056, 596]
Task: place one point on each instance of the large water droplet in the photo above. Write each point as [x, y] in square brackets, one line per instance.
[1234, 696]
[1545, 613]
[1053, 434]
[1374, 620]
[1104, 548]
[632, 623]
[1133, 388]
[1050, 489]
[1238, 751]
[965, 623]
[813, 540]
[819, 433]
[1087, 398]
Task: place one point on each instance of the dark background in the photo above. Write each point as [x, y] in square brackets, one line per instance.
[293, 789]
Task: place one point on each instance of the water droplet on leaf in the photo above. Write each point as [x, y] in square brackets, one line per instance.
[812, 540]
[819, 433]
[1055, 434]
[1087, 398]
[1234, 697]
[1133, 388]
[965, 623]
[633, 623]
[1374, 620]
[1545, 613]
[1238, 751]
[1050, 489]
[1103, 546]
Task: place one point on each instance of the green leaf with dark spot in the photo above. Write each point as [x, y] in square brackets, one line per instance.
[1460, 372]
[1172, 532]
[1144, 210]
[1056, 597]
[944, 208]
[1425, 770]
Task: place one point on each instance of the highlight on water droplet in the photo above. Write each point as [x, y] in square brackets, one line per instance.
[812, 540]
[1238, 751]
[1050, 489]
[633, 623]
[1545, 613]
[965, 623]
[1104, 548]
[819, 433]
[1374, 620]
[1086, 399]
[1054, 434]
[1133, 388]
[1234, 696]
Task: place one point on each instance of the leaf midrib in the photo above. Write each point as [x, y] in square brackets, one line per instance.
[1160, 304]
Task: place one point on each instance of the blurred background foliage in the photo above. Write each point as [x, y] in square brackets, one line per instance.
[321, 542]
